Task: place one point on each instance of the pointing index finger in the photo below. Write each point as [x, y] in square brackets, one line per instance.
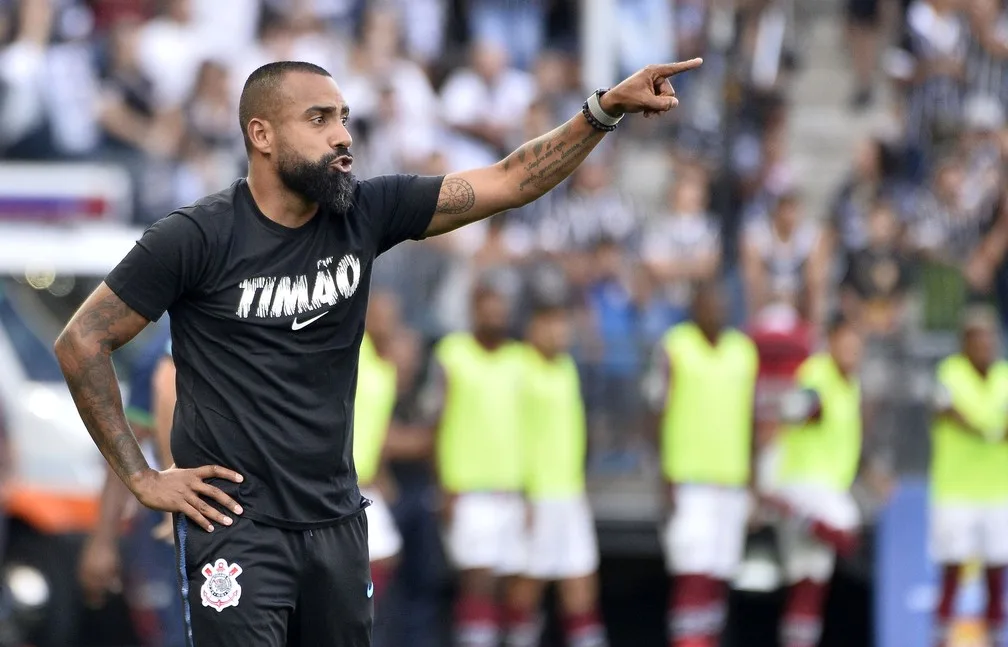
[671, 69]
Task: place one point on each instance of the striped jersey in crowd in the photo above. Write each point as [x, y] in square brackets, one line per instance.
[987, 73]
[934, 102]
[953, 232]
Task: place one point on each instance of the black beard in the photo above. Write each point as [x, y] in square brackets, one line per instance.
[317, 182]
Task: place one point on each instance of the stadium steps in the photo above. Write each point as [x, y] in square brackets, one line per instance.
[823, 130]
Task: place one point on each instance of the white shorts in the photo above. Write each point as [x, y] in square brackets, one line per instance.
[561, 540]
[804, 556]
[706, 532]
[384, 540]
[487, 531]
[962, 532]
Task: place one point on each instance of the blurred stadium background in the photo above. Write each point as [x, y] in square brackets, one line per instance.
[113, 112]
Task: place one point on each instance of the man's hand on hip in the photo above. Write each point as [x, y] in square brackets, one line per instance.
[648, 90]
[185, 491]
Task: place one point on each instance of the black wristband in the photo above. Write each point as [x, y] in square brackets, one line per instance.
[595, 123]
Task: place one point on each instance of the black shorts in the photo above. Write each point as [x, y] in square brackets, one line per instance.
[253, 585]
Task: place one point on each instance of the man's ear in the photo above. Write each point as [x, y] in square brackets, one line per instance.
[261, 134]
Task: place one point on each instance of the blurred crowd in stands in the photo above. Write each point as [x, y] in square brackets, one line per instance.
[434, 86]
[916, 229]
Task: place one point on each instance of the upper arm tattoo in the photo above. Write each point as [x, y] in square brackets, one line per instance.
[524, 175]
[456, 197]
[107, 320]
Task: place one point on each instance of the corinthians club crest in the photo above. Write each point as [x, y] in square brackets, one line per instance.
[221, 589]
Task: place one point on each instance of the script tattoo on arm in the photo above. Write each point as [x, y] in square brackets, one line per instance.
[523, 176]
[84, 350]
[548, 160]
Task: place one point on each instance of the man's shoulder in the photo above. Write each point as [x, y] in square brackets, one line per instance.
[740, 338]
[377, 198]
[453, 340]
[214, 205]
[952, 366]
[212, 214]
[390, 184]
[375, 194]
[817, 369]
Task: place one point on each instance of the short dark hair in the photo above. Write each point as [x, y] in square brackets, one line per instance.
[605, 241]
[262, 92]
[488, 285]
[982, 316]
[837, 322]
[546, 306]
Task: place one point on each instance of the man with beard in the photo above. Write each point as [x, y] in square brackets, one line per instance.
[267, 283]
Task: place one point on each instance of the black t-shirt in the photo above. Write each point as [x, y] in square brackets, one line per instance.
[878, 274]
[266, 326]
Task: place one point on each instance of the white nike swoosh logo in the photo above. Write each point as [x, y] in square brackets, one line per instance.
[298, 325]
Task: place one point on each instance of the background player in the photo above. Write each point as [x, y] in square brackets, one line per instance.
[816, 461]
[969, 470]
[562, 546]
[266, 366]
[705, 380]
[474, 396]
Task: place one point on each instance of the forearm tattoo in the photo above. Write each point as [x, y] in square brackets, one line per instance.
[84, 353]
[529, 172]
[456, 197]
[546, 161]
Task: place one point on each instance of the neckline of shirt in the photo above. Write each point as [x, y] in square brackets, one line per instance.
[272, 225]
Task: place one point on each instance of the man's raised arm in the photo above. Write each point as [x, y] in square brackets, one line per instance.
[539, 165]
[84, 350]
